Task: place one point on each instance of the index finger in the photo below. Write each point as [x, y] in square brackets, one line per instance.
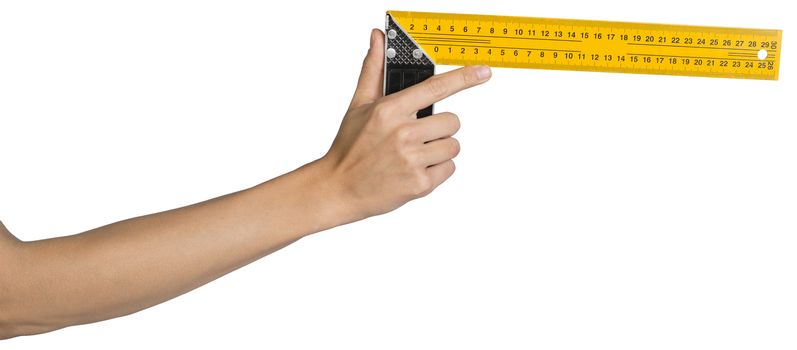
[438, 87]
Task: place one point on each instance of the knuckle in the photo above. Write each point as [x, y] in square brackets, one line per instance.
[436, 87]
[407, 159]
[382, 115]
[421, 185]
[404, 134]
[382, 110]
[469, 77]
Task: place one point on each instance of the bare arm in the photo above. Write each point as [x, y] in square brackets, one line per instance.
[381, 158]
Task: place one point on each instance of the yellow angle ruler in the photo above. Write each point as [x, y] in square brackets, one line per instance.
[417, 41]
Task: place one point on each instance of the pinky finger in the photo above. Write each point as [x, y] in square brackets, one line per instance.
[439, 173]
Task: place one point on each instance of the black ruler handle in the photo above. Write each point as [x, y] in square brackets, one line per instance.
[399, 77]
[405, 62]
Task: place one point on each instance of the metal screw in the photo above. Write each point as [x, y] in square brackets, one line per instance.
[391, 34]
[391, 52]
[417, 53]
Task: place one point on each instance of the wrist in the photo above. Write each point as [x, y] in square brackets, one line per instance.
[337, 205]
[311, 198]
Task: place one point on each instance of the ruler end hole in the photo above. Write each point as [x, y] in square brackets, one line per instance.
[762, 54]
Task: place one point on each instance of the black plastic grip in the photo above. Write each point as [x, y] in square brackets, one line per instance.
[405, 62]
[400, 77]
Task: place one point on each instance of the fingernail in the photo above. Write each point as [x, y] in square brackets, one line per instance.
[483, 72]
[373, 37]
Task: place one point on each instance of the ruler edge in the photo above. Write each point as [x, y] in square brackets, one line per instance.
[568, 21]
[780, 53]
[597, 23]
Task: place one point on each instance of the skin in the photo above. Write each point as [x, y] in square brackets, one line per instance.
[382, 157]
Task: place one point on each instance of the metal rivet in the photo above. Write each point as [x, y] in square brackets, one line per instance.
[417, 53]
[391, 52]
[391, 34]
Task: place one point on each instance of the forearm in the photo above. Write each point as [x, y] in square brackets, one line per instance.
[130, 265]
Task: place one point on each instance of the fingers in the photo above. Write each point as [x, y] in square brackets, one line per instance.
[369, 87]
[440, 172]
[439, 151]
[437, 126]
[439, 87]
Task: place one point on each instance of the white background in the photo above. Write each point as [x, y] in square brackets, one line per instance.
[589, 210]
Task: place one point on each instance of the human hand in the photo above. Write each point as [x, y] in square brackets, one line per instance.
[383, 155]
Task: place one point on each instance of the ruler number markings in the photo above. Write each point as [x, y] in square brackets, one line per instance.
[550, 44]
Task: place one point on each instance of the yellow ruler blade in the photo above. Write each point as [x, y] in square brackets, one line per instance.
[603, 46]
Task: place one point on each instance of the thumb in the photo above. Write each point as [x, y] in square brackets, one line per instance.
[369, 87]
